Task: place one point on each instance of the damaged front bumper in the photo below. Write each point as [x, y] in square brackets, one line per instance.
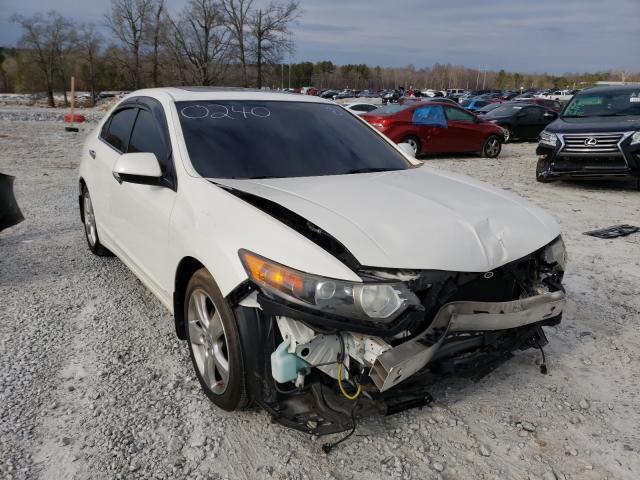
[405, 360]
[317, 372]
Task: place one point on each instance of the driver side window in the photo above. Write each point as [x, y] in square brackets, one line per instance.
[117, 130]
[146, 137]
[457, 115]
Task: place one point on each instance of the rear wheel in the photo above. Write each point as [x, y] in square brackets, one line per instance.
[90, 225]
[214, 343]
[492, 147]
[414, 142]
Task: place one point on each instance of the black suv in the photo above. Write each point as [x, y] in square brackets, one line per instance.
[597, 135]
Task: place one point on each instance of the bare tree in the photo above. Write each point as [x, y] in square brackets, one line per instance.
[44, 41]
[127, 21]
[200, 42]
[90, 42]
[237, 17]
[155, 33]
[270, 33]
[65, 40]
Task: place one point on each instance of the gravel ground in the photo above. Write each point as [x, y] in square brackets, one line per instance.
[94, 383]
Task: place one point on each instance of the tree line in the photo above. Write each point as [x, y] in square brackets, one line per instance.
[208, 42]
[216, 42]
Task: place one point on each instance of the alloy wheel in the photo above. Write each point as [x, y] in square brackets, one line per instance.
[493, 147]
[208, 341]
[413, 143]
[89, 220]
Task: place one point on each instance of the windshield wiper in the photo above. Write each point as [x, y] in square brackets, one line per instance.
[369, 170]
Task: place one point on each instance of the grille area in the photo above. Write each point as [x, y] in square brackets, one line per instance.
[605, 144]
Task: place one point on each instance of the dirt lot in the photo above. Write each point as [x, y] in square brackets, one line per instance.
[94, 383]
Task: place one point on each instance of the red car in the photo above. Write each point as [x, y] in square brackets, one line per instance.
[432, 127]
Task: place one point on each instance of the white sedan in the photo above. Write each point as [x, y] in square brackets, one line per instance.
[312, 266]
[360, 108]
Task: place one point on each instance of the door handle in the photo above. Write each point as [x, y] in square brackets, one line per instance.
[92, 153]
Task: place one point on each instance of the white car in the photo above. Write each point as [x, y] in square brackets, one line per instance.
[360, 108]
[312, 266]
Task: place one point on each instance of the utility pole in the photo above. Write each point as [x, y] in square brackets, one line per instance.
[290, 47]
[282, 76]
[484, 81]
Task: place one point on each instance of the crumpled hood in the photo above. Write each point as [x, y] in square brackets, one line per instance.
[420, 218]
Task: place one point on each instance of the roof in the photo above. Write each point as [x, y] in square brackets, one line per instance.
[185, 94]
[630, 87]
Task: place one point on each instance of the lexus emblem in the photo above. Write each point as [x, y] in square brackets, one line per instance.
[591, 141]
[488, 275]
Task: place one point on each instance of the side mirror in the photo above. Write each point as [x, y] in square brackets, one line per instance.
[407, 149]
[141, 168]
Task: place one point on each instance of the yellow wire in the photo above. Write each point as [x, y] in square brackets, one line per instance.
[349, 397]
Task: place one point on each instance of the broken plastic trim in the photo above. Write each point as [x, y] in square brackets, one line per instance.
[403, 361]
[298, 223]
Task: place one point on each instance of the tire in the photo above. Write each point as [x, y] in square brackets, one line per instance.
[414, 142]
[91, 227]
[508, 134]
[541, 168]
[492, 147]
[214, 343]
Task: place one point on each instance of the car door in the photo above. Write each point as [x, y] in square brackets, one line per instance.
[430, 124]
[140, 213]
[529, 122]
[463, 134]
[113, 140]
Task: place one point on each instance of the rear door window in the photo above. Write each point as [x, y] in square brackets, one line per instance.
[119, 130]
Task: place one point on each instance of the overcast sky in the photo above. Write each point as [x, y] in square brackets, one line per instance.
[554, 36]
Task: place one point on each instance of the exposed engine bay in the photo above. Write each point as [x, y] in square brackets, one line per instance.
[317, 372]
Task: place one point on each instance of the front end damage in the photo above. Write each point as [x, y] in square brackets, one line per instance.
[317, 372]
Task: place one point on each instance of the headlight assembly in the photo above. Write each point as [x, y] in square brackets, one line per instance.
[556, 253]
[635, 138]
[549, 139]
[361, 300]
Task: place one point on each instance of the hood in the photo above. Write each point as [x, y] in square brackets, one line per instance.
[419, 218]
[595, 124]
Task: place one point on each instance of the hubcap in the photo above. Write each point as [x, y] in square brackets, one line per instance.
[89, 220]
[493, 147]
[507, 135]
[208, 341]
[413, 144]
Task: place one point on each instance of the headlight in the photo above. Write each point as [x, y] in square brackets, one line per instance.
[556, 253]
[635, 138]
[365, 301]
[549, 139]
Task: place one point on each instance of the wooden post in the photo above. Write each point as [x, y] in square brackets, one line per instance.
[72, 127]
[73, 93]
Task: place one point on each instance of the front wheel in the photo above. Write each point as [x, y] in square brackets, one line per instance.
[542, 170]
[214, 343]
[492, 147]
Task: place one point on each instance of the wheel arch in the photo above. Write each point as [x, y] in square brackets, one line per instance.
[185, 270]
[81, 185]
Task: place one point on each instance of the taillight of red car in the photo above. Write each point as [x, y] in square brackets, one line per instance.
[378, 123]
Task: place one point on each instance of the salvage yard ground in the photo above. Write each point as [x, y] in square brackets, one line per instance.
[94, 383]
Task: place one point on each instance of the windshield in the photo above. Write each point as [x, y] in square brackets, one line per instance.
[504, 111]
[245, 140]
[608, 103]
